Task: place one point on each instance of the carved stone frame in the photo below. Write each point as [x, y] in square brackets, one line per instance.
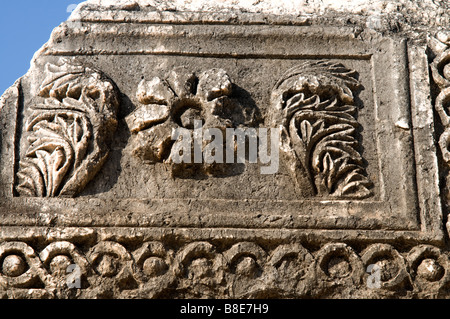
[417, 216]
[328, 229]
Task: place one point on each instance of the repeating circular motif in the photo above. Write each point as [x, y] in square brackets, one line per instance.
[337, 263]
[389, 264]
[13, 266]
[20, 267]
[58, 257]
[429, 268]
[441, 69]
[244, 269]
[155, 264]
[245, 259]
[109, 258]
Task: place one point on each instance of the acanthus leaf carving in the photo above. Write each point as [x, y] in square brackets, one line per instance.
[314, 104]
[67, 130]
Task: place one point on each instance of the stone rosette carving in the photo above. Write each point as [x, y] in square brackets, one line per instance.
[67, 131]
[314, 104]
[177, 102]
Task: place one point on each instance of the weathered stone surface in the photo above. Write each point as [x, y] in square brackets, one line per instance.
[94, 202]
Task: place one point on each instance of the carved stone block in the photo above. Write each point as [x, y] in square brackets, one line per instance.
[164, 151]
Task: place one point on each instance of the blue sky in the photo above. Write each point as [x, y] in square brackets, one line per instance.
[25, 25]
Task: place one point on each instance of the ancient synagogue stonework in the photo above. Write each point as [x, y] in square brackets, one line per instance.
[171, 149]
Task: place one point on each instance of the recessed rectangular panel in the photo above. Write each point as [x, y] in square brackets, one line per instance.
[347, 155]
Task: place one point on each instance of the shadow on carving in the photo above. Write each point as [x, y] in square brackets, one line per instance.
[112, 169]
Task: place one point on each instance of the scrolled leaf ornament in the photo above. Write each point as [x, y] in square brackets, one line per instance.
[314, 104]
[67, 131]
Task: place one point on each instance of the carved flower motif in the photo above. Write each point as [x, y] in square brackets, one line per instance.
[177, 102]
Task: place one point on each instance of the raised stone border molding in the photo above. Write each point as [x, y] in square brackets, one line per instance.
[113, 264]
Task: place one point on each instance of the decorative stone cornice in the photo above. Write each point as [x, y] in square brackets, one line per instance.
[93, 204]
